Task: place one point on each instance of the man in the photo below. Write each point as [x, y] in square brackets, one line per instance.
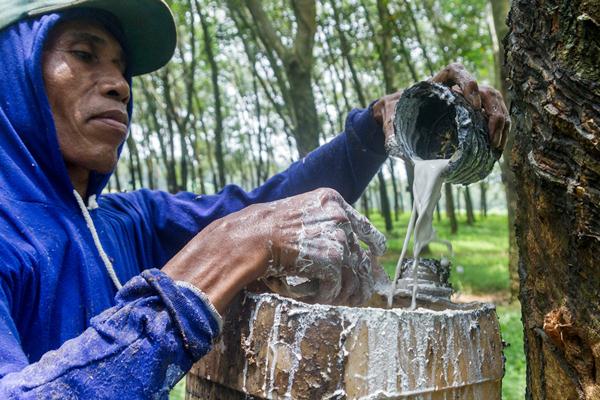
[85, 311]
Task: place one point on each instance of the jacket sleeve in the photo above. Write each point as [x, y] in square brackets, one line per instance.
[346, 164]
[137, 349]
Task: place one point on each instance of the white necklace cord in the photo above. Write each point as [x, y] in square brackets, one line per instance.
[92, 228]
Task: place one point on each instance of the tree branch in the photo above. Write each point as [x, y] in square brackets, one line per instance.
[265, 28]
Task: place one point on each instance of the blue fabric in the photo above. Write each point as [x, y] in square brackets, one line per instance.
[64, 331]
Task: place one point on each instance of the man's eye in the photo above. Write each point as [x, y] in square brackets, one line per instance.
[83, 55]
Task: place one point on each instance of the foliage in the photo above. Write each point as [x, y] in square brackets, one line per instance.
[186, 135]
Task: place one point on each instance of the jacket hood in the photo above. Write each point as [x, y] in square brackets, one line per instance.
[32, 166]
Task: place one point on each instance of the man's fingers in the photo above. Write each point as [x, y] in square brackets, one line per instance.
[388, 119]
[350, 285]
[498, 120]
[365, 230]
[329, 289]
[361, 264]
[365, 278]
[471, 91]
[456, 74]
[505, 133]
[495, 128]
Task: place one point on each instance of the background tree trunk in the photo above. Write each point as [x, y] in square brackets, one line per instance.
[458, 206]
[396, 195]
[499, 13]
[297, 60]
[469, 207]
[214, 77]
[483, 198]
[552, 60]
[450, 214]
[385, 203]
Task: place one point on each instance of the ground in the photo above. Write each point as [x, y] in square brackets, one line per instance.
[480, 272]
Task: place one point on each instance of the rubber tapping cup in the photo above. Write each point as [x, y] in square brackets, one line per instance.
[433, 122]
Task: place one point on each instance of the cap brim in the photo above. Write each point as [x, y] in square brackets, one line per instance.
[148, 26]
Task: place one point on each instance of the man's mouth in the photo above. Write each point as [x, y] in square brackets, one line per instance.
[115, 119]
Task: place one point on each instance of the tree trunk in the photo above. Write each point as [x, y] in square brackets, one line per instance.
[214, 77]
[458, 205]
[297, 60]
[364, 203]
[450, 208]
[552, 60]
[483, 186]
[385, 203]
[117, 180]
[306, 131]
[394, 189]
[469, 207]
[410, 179]
[131, 165]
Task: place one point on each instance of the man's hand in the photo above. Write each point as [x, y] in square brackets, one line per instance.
[460, 80]
[313, 236]
[317, 238]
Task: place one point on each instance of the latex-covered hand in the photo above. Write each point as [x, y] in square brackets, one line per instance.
[316, 253]
[460, 80]
[306, 246]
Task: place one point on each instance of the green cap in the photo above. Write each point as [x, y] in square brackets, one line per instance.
[148, 25]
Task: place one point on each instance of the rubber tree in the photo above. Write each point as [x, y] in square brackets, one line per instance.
[291, 60]
[552, 60]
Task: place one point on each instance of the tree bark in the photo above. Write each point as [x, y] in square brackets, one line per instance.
[469, 207]
[458, 205]
[394, 189]
[117, 180]
[297, 61]
[214, 76]
[364, 203]
[385, 203]
[450, 214]
[483, 187]
[552, 60]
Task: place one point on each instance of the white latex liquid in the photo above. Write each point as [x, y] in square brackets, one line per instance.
[427, 187]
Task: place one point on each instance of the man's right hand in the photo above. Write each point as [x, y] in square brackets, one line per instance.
[313, 236]
[317, 238]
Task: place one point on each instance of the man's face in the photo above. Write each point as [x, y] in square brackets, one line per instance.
[83, 67]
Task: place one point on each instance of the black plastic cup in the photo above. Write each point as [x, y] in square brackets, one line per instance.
[433, 122]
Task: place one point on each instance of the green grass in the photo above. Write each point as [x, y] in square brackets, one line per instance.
[513, 384]
[479, 268]
[178, 392]
[480, 258]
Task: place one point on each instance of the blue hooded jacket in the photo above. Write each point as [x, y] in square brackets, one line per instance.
[65, 330]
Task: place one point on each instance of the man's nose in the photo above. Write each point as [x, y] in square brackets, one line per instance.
[114, 85]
